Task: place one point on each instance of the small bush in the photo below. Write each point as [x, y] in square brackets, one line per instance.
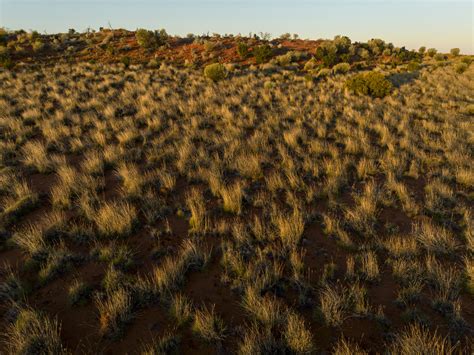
[6, 62]
[467, 60]
[455, 52]
[215, 72]
[243, 50]
[439, 57]
[460, 68]
[262, 53]
[341, 68]
[431, 52]
[126, 61]
[372, 83]
[413, 66]
[149, 39]
[324, 72]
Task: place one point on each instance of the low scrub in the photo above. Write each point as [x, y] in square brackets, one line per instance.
[372, 83]
[215, 72]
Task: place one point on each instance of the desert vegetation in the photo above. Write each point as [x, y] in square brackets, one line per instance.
[312, 200]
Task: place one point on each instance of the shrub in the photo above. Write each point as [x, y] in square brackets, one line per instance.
[460, 68]
[372, 83]
[413, 66]
[310, 65]
[341, 68]
[262, 53]
[6, 62]
[324, 72]
[455, 52]
[422, 50]
[215, 72]
[327, 53]
[243, 50]
[431, 52]
[125, 61]
[149, 39]
[439, 57]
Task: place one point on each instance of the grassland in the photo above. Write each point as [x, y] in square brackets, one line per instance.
[153, 211]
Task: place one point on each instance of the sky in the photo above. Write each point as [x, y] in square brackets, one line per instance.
[442, 24]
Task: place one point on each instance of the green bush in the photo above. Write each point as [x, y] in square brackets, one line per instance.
[431, 52]
[6, 62]
[243, 50]
[126, 61]
[439, 57]
[341, 68]
[263, 53]
[372, 83]
[422, 50]
[310, 65]
[467, 60]
[327, 53]
[413, 66]
[460, 67]
[215, 72]
[324, 72]
[149, 39]
[455, 52]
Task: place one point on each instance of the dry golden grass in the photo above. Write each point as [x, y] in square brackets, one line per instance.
[115, 219]
[305, 193]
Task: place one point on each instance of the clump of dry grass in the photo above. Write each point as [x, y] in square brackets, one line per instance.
[115, 219]
[346, 347]
[166, 344]
[170, 274]
[297, 336]
[401, 247]
[36, 157]
[34, 333]
[19, 200]
[418, 340]
[265, 310]
[181, 308]
[363, 216]
[132, 180]
[258, 340]
[36, 238]
[339, 303]
[435, 239]
[11, 287]
[232, 198]
[115, 310]
[208, 325]
[290, 227]
[198, 221]
[78, 292]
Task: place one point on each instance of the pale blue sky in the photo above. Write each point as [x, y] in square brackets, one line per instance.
[442, 24]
